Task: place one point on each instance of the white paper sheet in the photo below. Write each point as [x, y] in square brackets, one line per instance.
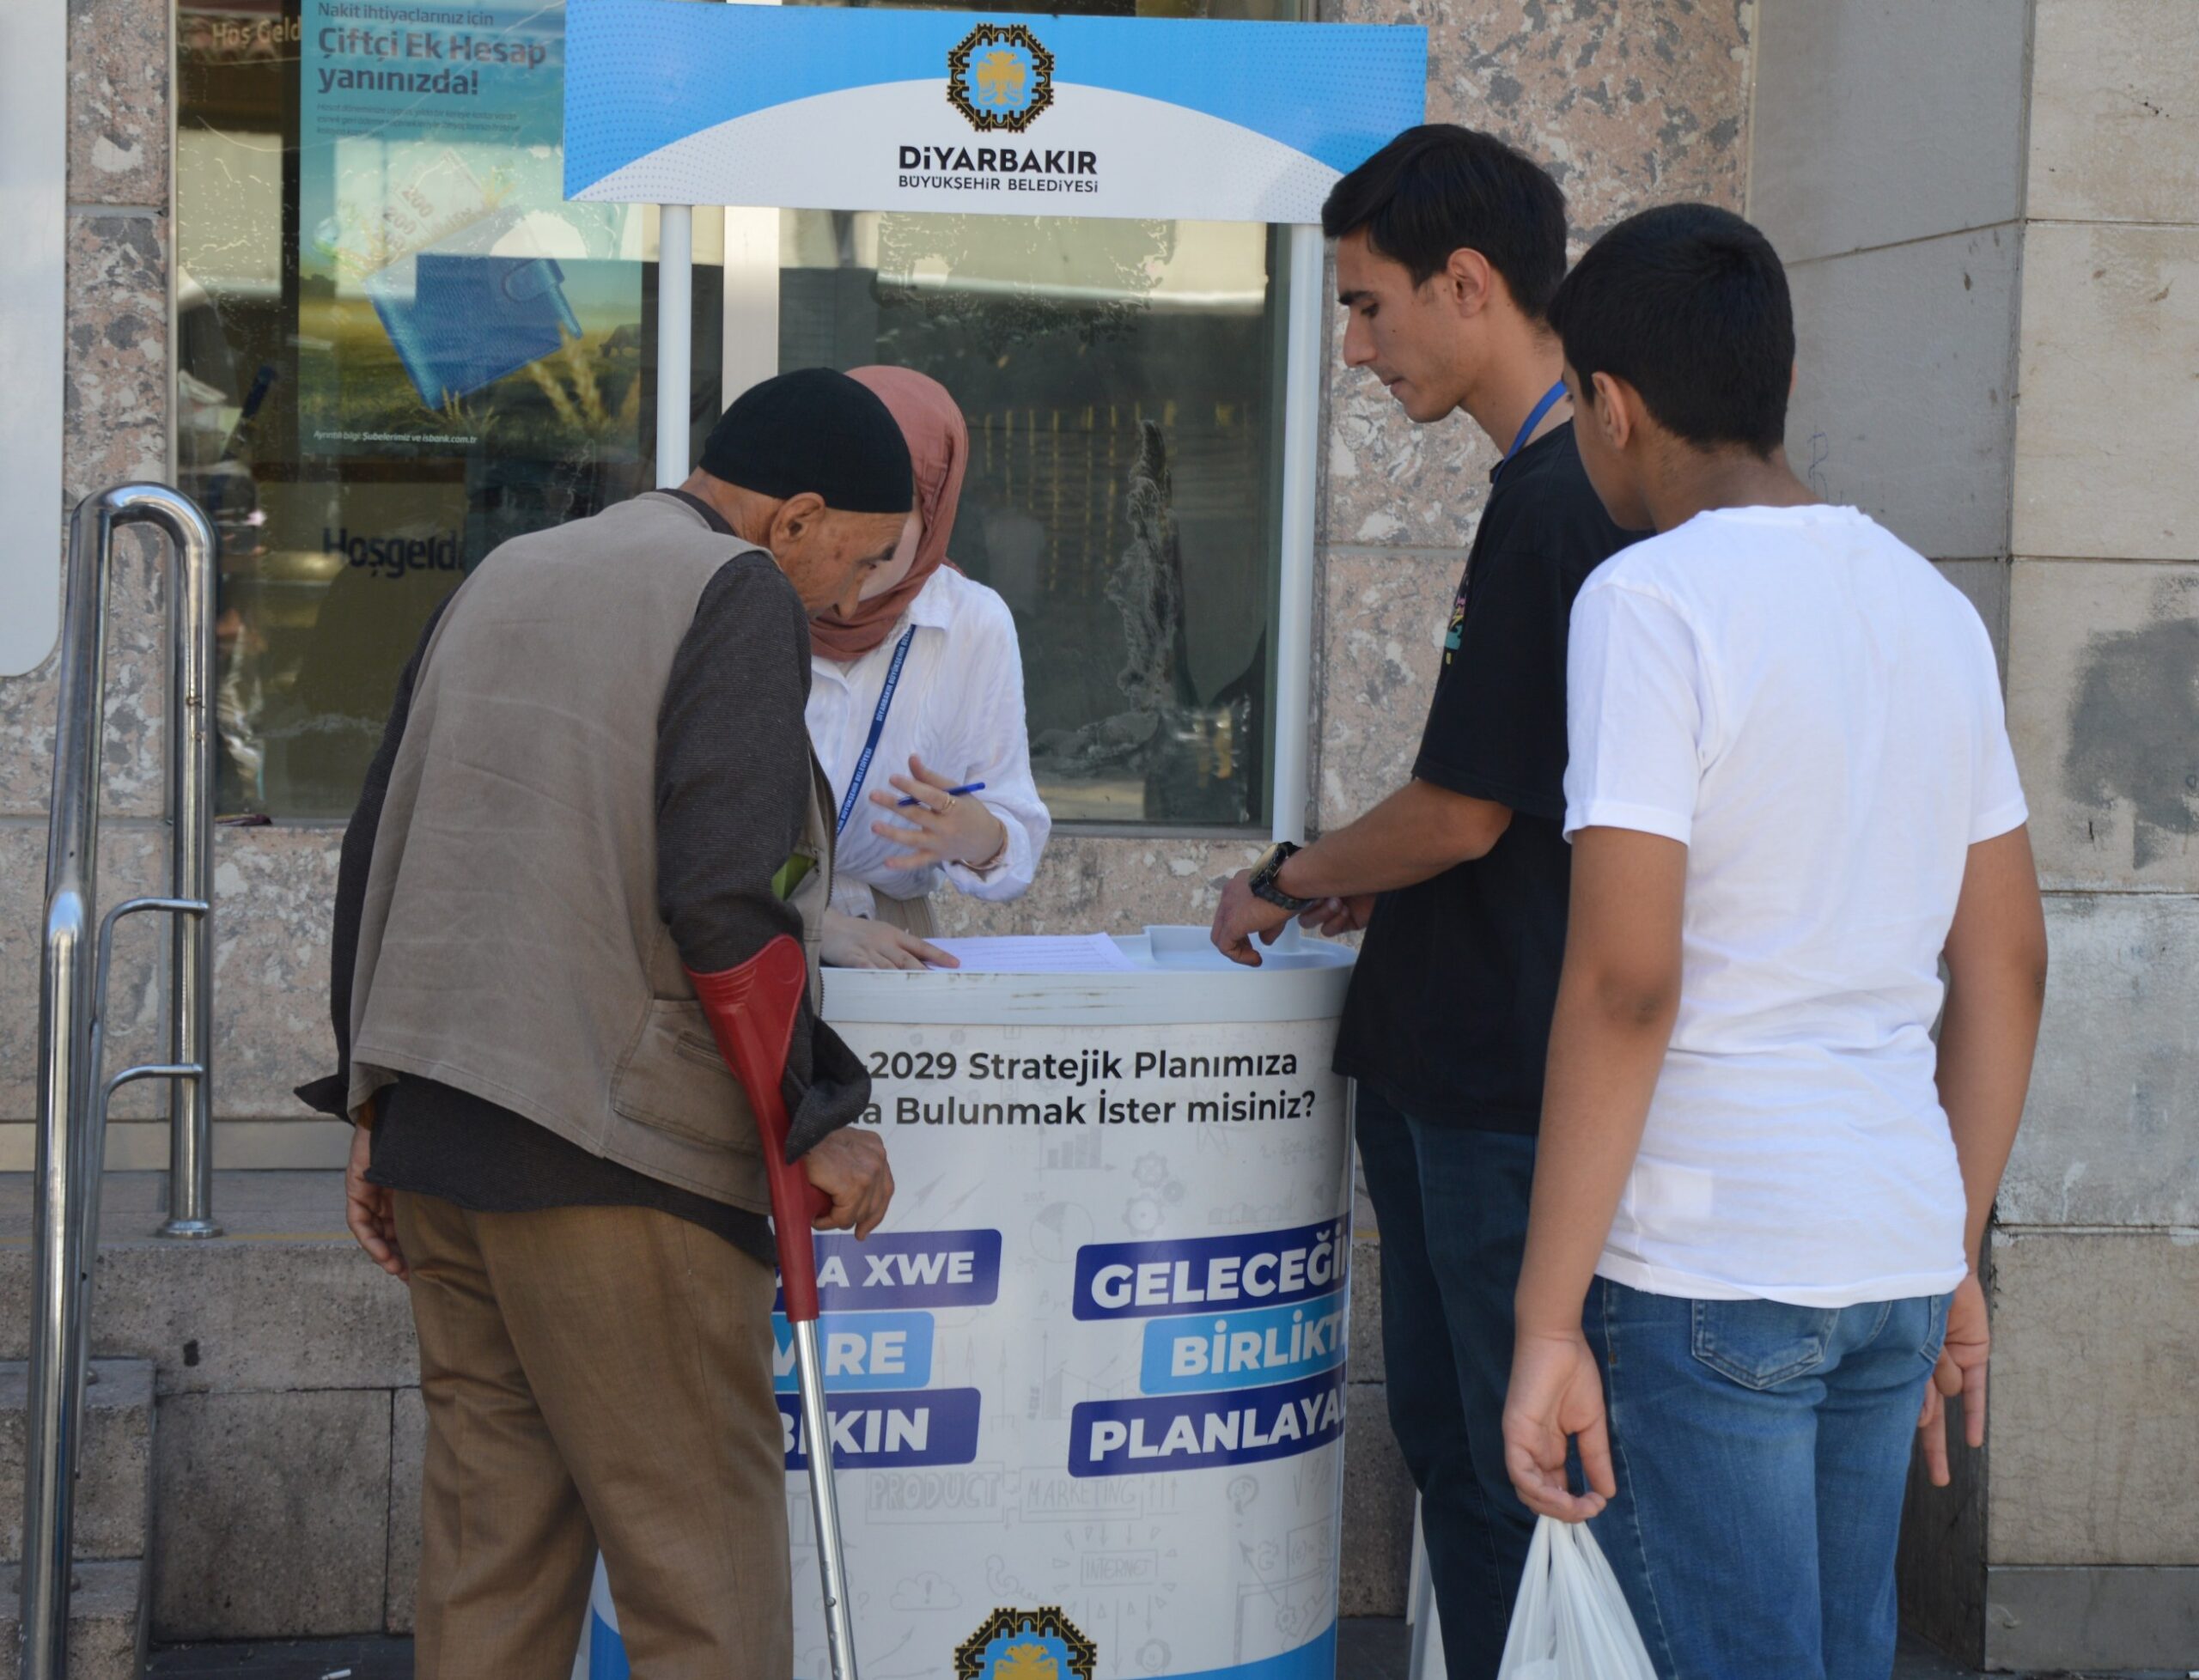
[1038, 953]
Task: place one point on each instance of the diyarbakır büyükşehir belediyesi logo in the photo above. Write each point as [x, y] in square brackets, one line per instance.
[1001, 77]
[1027, 1645]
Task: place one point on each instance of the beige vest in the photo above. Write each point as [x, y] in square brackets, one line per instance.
[511, 945]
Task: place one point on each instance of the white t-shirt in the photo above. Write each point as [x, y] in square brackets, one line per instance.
[958, 706]
[1806, 704]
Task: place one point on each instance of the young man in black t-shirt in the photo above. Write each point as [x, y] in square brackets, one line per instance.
[1448, 248]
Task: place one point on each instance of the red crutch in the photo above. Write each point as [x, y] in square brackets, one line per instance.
[752, 1010]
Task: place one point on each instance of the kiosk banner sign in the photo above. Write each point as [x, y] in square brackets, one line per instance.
[832, 108]
[1087, 1388]
[1095, 1365]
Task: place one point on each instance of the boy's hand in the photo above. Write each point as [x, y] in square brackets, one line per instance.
[1241, 913]
[1961, 1371]
[1556, 1395]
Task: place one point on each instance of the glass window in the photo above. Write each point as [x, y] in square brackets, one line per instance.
[1119, 379]
[1122, 382]
[396, 346]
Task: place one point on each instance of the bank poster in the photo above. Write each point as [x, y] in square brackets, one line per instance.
[1088, 1386]
[437, 258]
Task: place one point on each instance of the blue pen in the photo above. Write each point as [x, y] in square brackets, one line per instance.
[954, 793]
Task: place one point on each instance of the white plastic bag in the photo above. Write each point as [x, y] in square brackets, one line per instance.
[1571, 1622]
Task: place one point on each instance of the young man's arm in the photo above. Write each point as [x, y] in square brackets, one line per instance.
[1617, 999]
[1413, 836]
[1494, 745]
[1996, 990]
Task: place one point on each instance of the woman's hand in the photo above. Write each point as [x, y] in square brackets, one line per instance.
[856, 941]
[1556, 1396]
[943, 827]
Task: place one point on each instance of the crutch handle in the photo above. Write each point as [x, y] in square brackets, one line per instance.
[752, 1008]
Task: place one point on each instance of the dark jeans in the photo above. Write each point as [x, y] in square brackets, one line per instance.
[1451, 1205]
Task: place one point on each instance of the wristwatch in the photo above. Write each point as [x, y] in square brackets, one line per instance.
[1263, 882]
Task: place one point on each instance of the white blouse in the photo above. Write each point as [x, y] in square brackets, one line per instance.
[959, 708]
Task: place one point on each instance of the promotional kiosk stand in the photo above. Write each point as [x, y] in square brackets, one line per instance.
[1087, 1386]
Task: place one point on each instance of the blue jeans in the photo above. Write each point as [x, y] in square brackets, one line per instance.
[1452, 1206]
[1760, 1452]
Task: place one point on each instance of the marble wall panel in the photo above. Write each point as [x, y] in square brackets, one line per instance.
[1628, 106]
[1392, 483]
[114, 428]
[131, 771]
[1111, 884]
[132, 861]
[2109, 337]
[118, 67]
[274, 888]
[2115, 110]
[2103, 710]
[1386, 612]
[114, 415]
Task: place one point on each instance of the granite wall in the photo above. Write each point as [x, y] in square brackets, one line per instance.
[1628, 105]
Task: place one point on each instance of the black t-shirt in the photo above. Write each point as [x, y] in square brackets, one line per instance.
[1450, 1005]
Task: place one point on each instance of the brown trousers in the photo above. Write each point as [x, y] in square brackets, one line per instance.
[595, 1376]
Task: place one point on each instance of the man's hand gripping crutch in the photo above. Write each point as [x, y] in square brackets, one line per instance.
[842, 1182]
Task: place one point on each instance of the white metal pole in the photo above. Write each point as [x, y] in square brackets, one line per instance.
[1301, 456]
[675, 340]
[750, 339]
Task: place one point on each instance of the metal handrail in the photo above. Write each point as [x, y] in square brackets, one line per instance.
[72, 1092]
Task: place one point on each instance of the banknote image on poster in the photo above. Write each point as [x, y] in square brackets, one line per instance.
[453, 296]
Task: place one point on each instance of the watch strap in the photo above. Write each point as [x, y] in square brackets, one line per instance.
[1263, 884]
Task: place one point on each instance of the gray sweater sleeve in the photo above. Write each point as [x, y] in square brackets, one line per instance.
[733, 783]
[733, 766]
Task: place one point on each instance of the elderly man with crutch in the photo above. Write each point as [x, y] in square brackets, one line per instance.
[576, 933]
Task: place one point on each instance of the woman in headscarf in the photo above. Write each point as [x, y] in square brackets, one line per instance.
[918, 692]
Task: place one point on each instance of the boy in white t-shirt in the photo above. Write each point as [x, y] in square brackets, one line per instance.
[1761, 1187]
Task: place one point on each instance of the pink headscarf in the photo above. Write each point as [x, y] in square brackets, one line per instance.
[938, 450]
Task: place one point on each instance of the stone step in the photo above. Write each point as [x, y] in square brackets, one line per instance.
[107, 1622]
[114, 1478]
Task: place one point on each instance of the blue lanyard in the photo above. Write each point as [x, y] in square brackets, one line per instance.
[877, 728]
[1549, 401]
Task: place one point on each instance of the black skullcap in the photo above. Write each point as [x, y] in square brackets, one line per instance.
[813, 430]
